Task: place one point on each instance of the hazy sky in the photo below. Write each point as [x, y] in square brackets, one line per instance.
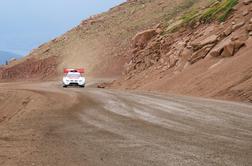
[25, 24]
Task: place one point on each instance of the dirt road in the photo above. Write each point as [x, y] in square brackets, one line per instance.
[43, 124]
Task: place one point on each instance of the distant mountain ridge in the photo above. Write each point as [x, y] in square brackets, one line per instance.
[6, 55]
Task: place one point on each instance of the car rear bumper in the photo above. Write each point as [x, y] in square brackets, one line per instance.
[73, 84]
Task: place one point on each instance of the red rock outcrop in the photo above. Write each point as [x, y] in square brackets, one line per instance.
[165, 56]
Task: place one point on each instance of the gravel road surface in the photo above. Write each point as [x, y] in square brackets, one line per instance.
[45, 125]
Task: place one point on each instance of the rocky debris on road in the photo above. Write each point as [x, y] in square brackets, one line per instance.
[102, 85]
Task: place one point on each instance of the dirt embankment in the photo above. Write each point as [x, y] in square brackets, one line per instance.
[200, 59]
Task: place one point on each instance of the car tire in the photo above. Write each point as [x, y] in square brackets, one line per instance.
[64, 86]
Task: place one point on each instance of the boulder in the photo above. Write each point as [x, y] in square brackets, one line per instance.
[186, 54]
[172, 61]
[200, 54]
[141, 39]
[231, 48]
[228, 31]
[102, 85]
[209, 40]
[228, 50]
[238, 25]
[216, 52]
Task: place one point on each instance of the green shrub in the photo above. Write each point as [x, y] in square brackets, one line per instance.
[218, 11]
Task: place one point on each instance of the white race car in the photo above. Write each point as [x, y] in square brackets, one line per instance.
[74, 77]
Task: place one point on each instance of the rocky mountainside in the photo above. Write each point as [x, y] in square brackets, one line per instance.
[189, 47]
[204, 57]
[99, 43]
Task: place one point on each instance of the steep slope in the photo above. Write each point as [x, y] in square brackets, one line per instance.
[99, 44]
[205, 58]
[190, 47]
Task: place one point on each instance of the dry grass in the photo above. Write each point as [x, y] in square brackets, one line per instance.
[217, 11]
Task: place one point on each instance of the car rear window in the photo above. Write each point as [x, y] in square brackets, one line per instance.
[73, 75]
